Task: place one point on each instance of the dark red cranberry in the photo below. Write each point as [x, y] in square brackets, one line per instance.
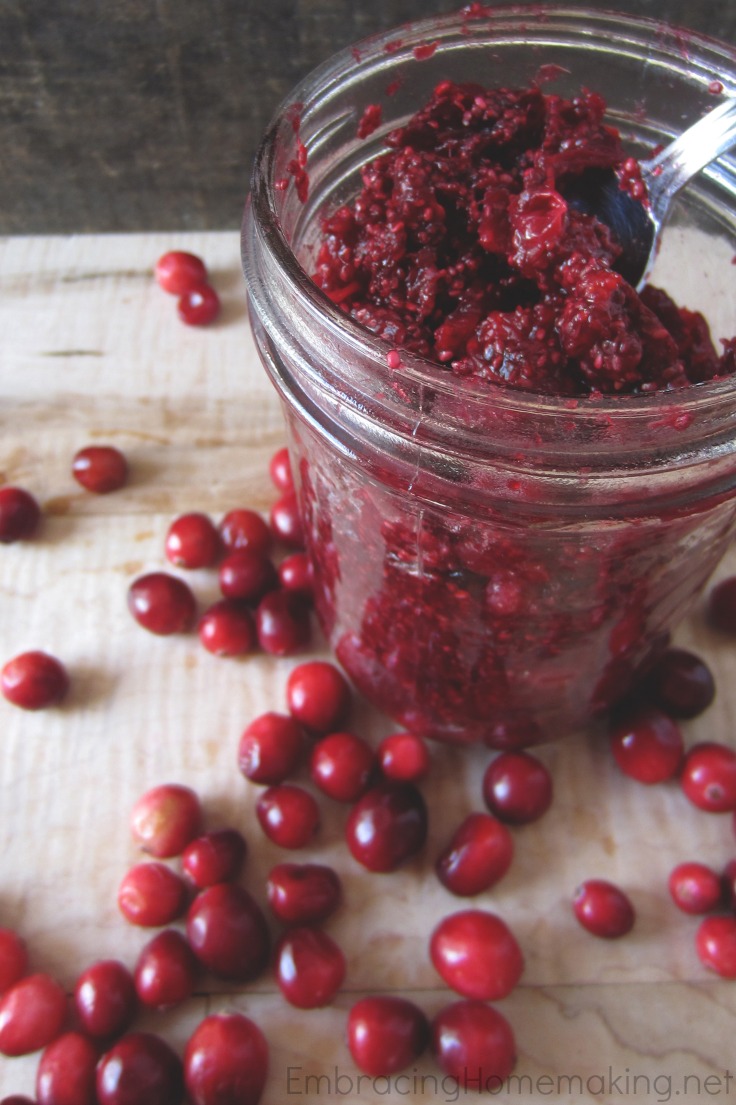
[296, 576]
[199, 306]
[151, 894]
[177, 271]
[282, 622]
[404, 757]
[34, 680]
[303, 893]
[288, 815]
[165, 819]
[476, 954]
[271, 748]
[721, 607]
[227, 629]
[140, 1068]
[681, 684]
[66, 1071]
[318, 695]
[165, 971]
[477, 856]
[695, 888]
[474, 1044]
[386, 1034]
[709, 777]
[517, 788]
[603, 909]
[19, 515]
[226, 1061]
[228, 933]
[105, 999]
[245, 529]
[342, 766]
[715, 943]
[279, 469]
[215, 857]
[161, 603]
[193, 541]
[17, 1099]
[13, 958]
[32, 1014]
[100, 469]
[309, 966]
[286, 521]
[648, 746]
[248, 575]
[387, 826]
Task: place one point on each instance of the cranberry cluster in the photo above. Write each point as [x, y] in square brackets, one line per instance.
[185, 275]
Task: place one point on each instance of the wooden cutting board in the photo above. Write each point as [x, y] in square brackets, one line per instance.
[92, 351]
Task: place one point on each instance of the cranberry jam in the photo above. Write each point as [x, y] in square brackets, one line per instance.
[515, 473]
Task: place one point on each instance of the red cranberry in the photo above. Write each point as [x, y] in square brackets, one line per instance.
[215, 857]
[695, 888]
[715, 943]
[476, 954]
[342, 765]
[245, 529]
[387, 826]
[386, 1034]
[603, 909]
[248, 575]
[151, 894]
[302, 894]
[681, 684]
[199, 306]
[282, 623]
[296, 575]
[403, 756]
[161, 603]
[34, 680]
[193, 541]
[286, 521]
[166, 970]
[271, 749]
[139, 1068]
[288, 815]
[721, 607]
[318, 695]
[165, 819]
[66, 1072]
[477, 856]
[474, 1044]
[32, 1014]
[228, 933]
[100, 469]
[709, 777]
[227, 629]
[648, 746]
[13, 958]
[226, 1061]
[309, 967]
[177, 271]
[517, 788]
[17, 1099]
[19, 514]
[279, 469]
[105, 999]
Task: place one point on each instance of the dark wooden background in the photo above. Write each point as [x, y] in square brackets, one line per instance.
[145, 114]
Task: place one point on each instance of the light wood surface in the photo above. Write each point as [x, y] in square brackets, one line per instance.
[92, 351]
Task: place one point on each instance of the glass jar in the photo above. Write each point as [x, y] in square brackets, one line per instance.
[491, 563]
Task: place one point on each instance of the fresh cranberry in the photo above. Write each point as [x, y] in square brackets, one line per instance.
[13, 958]
[215, 857]
[648, 746]
[476, 954]
[342, 765]
[161, 603]
[386, 1034]
[715, 943]
[248, 575]
[603, 909]
[105, 999]
[34, 680]
[286, 521]
[17, 1099]
[226, 1061]
[283, 624]
[245, 529]
[404, 757]
[477, 856]
[303, 893]
[296, 575]
[140, 1068]
[66, 1071]
[271, 748]
[695, 888]
[228, 933]
[100, 469]
[709, 777]
[227, 628]
[32, 1014]
[279, 469]
[721, 607]
[19, 515]
[177, 271]
[517, 788]
[193, 541]
[387, 826]
[165, 819]
[318, 695]
[309, 966]
[199, 306]
[151, 894]
[681, 684]
[165, 971]
[474, 1044]
[288, 815]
